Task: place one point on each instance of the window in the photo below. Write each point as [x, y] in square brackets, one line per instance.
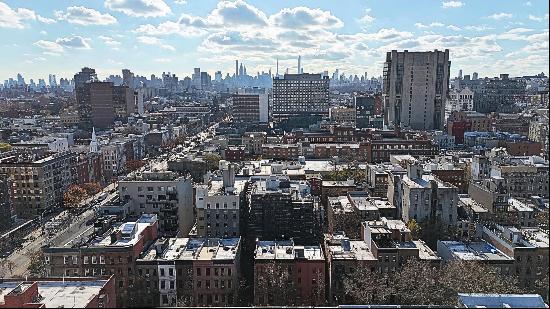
[198, 272]
[101, 259]
[162, 272]
[170, 271]
[162, 284]
[94, 259]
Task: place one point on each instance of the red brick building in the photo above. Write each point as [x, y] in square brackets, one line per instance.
[58, 292]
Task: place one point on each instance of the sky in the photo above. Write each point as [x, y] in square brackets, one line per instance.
[490, 37]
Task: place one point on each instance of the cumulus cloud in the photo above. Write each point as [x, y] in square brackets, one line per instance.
[59, 45]
[139, 8]
[83, 16]
[454, 28]
[236, 13]
[432, 25]
[74, 41]
[499, 16]
[452, 4]
[49, 46]
[148, 40]
[303, 17]
[15, 18]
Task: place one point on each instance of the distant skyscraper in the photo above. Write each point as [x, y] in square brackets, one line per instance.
[415, 89]
[236, 68]
[128, 78]
[475, 76]
[20, 80]
[460, 74]
[241, 69]
[299, 64]
[52, 81]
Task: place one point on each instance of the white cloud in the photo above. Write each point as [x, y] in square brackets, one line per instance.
[74, 41]
[109, 41]
[304, 18]
[139, 8]
[528, 3]
[236, 13]
[180, 2]
[49, 46]
[499, 16]
[432, 25]
[452, 4]
[14, 18]
[478, 28]
[367, 18]
[538, 18]
[454, 28]
[83, 16]
[148, 40]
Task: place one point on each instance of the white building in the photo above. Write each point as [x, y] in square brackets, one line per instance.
[461, 99]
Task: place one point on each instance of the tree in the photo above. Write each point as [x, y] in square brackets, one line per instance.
[416, 229]
[365, 286]
[5, 147]
[274, 284]
[542, 219]
[212, 161]
[37, 265]
[6, 268]
[74, 195]
[133, 165]
[92, 188]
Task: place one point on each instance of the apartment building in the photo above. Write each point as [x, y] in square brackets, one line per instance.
[300, 95]
[38, 180]
[416, 86]
[162, 192]
[109, 250]
[189, 272]
[300, 272]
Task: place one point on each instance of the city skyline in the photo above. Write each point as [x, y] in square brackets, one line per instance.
[176, 36]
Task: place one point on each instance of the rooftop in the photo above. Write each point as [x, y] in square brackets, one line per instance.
[341, 248]
[57, 294]
[286, 250]
[195, 249]
[474, 251]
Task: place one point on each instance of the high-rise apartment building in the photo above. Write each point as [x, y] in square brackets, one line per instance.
[39, 180]
[300, 95]
[415, 89]
[5, 202]
[80, 78]
[101, 103]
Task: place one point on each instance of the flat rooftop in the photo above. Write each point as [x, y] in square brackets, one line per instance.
[196, 249]
[344, 249]
[57, 294]
[286, 250]
[475, 251]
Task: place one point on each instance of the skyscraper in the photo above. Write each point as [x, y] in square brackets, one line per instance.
[415, 89]
[236, 68]
[299, 64]
[52, 81]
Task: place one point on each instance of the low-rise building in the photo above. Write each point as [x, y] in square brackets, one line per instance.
[107, 251]
[58, 293]
[300, 272]
[189, 272]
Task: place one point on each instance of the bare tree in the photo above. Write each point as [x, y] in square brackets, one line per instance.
[274, 285]
[37, 265]
[365, 286]
[6, 268]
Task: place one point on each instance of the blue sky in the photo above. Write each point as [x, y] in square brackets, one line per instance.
[152, 36]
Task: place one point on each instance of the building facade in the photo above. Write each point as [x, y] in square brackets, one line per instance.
[416, 89]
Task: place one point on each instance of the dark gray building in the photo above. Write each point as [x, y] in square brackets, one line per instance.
[415, 89]
[5, 203]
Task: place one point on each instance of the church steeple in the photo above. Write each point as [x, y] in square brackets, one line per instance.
[94, 146]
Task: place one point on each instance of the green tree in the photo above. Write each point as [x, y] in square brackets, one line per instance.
[212, 161]
[415, 228]
[5, 147]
